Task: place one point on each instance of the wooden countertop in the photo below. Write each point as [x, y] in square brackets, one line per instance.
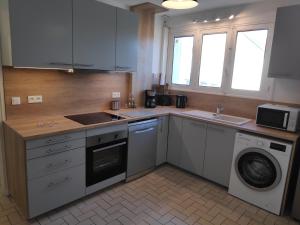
[33, 128]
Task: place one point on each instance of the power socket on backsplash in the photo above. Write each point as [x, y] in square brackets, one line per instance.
[35, 99]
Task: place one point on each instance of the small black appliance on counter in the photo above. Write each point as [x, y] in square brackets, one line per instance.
[181, 101]
[150, 99]
[164, 100]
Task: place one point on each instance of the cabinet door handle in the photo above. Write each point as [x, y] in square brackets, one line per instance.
[83, 65]
[53, 140]
[60, 64]
[144, 131]
[59, 182]
[52, 166]
[53, 150]
[123, 68]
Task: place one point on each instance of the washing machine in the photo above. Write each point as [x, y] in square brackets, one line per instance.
[259, 171]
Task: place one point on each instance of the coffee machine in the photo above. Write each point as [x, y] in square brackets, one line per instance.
[150, 99]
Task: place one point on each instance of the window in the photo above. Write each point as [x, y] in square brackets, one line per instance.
[182, 60]
[230, 60]
[212, 60]
[249, 60]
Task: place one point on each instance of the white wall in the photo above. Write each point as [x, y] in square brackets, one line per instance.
[257, 13]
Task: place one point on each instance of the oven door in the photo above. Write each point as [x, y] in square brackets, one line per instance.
[273, 118]
[105, 161]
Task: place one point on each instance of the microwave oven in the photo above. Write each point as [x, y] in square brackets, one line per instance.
[278, 117]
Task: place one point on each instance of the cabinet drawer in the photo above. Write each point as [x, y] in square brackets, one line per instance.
[43, 166]
[53, 149]
[47, 193]
[54, 139]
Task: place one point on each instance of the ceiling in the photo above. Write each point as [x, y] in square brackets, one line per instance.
[203, 4]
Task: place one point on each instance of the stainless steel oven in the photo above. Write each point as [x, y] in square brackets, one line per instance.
[106, 158]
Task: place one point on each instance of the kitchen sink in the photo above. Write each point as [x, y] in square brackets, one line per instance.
[218, 117]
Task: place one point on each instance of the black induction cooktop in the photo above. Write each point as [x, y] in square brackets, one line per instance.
[94, 118]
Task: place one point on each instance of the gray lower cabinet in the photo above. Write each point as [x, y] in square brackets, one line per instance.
[94, 37]
[126, 40]
[193, 146]
[55, 190]
[218, 155]
[41, 33]
[55, 171]
[162, 140]
[174, 140]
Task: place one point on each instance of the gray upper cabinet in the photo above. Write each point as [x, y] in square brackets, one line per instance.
[94, 35]
[41, 33]
[127, 40]
[174, 140]
[162, 140]
[219, 153]
[193, 146]
[286, 46]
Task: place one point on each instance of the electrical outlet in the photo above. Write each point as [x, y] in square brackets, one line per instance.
[16, 101]
[116, 95]
[35, 99]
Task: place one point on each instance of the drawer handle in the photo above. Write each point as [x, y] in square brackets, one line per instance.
[59, 182]
[144, 131]
[51, 150]
[53, 140]
[52, 166]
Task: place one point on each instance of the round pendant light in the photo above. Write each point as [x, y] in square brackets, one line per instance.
[179, 4]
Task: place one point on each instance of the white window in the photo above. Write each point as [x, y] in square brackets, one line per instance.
[182, 60]
[212, 60]
[249, 60]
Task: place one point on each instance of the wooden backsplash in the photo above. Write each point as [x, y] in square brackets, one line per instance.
[236, 106]
[63, 93]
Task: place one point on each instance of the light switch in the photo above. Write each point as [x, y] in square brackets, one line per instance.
[16, 101]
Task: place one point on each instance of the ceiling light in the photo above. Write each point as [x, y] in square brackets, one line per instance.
[205, 21]
[179, 4]
[218, 19]
[231, 17]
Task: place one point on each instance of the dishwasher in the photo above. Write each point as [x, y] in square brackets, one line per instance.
[142, 146]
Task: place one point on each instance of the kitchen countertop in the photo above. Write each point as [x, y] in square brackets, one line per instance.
[33, 128]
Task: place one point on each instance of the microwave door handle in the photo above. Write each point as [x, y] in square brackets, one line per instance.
[285, 120]
[108, 147]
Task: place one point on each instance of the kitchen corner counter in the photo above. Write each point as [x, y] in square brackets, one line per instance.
[33, 128]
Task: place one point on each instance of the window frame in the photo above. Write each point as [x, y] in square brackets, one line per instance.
[208, 89]
[266, 85]
[172, 36]
[197, 32]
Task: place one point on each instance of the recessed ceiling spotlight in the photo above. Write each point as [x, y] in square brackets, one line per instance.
[179, 4]
[231, 17]
[218, 19]
[205, 21]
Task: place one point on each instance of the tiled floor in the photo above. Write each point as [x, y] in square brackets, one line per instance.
[165, 196]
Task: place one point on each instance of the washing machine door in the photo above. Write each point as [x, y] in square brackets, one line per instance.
[258, 169]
